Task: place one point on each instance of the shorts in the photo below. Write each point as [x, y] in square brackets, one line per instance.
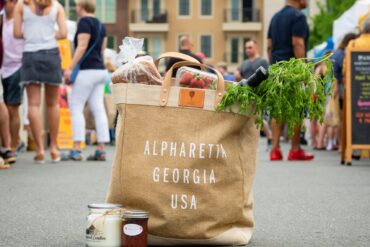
[1, 91]
[42, 66]
[12, 89]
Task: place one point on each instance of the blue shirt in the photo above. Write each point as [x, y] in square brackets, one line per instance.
[90, 25]
[229, 77]
[286, 24]
[337, 59]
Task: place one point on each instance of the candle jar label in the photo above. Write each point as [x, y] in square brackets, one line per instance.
[94, 234]
[132, 229]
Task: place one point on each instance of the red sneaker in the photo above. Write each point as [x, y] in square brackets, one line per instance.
[300, 155]
[275, 154]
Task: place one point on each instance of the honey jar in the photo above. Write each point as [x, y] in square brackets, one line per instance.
[135, 228]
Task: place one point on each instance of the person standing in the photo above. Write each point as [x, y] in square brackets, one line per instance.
[7, 156]
[89, 84]
[185, 48]
[248, 68]
[254, 60]
[41, 64]
[288, 38]
[12, 62]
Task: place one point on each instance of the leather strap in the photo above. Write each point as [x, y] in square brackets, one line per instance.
[175, 55]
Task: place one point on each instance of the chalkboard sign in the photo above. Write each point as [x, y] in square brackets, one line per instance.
[356, 120]
[360, 97]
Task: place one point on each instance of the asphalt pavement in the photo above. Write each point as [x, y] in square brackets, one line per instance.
[315, 203]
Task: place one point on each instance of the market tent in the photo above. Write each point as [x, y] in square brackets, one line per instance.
[349, 20]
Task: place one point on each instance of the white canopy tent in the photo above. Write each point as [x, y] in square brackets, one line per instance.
[348, 21]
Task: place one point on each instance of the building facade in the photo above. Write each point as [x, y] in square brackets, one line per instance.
[217, 28]
[113, 13]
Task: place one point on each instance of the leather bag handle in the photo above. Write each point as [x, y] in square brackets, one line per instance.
[166, 86]
[175, 55]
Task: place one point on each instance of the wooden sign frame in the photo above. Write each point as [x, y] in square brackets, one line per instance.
[347, 146]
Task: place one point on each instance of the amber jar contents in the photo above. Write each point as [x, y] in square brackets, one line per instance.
[135, 228]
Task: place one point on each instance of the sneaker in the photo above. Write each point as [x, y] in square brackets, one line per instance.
[275, 154]
[39, 159]
[21, 148]
[8, 156]
[75, 155]
[299, 155]
[98, 156]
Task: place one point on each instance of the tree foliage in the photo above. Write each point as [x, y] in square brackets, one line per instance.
[322, 23]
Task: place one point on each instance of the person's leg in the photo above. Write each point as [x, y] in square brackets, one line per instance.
[313, 132]
[276, 133]
[80, 92]
[5, 151]
[268, 134]
[52, 110]
[13, 98]
[321, 139]
[4, 126]
[275, 153]
[266, 129]
[14, 124]
[296, 138]
[34, 101]
[96, 104]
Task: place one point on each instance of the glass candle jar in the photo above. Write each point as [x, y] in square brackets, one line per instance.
[135, 228]
[104, 225]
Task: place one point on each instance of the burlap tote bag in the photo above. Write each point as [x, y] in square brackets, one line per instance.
[190, 167]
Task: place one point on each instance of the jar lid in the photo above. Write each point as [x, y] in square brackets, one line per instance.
[104, 206]
[136, 214]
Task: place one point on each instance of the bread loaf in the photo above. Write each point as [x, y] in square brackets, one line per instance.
[141, 70]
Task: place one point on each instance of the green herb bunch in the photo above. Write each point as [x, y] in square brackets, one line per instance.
[291, 90]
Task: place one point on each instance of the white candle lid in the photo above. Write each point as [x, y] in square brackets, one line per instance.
[104, 206]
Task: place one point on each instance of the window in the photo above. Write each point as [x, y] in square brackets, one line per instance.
[206, 7]
[234, 55]
[70, 9]
[235, 10]
[106, 10]
[184, 7]
[206, 45]
[156, 7]
[111, 42]
[157, 47]
[152, 46]
[144, 10]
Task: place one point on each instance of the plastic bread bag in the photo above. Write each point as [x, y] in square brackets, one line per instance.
[135, 69]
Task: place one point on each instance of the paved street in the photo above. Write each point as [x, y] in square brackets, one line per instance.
[319, 203]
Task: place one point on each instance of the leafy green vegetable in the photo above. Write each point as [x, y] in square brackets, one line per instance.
[291, 89]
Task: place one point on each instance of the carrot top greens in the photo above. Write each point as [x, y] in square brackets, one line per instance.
[291, 90]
